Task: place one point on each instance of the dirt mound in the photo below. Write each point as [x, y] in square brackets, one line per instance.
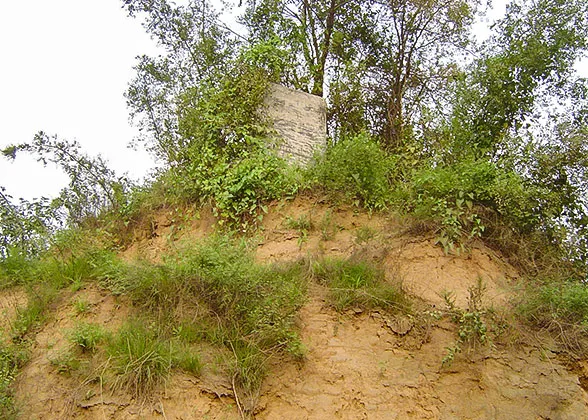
[358, 367]
[360, 364]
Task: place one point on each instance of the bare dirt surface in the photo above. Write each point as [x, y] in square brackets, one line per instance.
[358, 368]
[359, 365]
[10, 301]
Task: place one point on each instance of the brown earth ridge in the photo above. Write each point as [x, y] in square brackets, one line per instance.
[359, 364]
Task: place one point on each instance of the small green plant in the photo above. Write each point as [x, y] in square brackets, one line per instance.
[31, 316]
[458, 223]
[473, 323]
[327, 227]
[87, 336]
[66, 362]
[364, 234]
[188, 360]
[81, 306]
[358, 284]
[302, 224]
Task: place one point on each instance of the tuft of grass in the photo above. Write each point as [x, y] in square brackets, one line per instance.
[327, 227]
[31, 316]
[357, 284]
[141, 360]
[187, 360]
[364, 234]
[87, 336]
[66, 362]
[81, 306]
[302, 224]
[248, 370]
[560, 308]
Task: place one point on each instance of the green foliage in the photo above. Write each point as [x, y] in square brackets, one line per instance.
[231, 301]
[12, 358]
[358, 284]
[240, 194]
[81, 306]
[475, 323]
[187, 360]
[25, 229]
[93, 186]
[225, 154]
[327, 227]
[531, 55]
[30, 317]
[66, 362]
[199, 52]
[356, 168]
[141, 360]
[564, 303]
[87, 336]
[302, 224]
[364, 234]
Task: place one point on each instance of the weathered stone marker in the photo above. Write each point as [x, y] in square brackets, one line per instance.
[300, 120]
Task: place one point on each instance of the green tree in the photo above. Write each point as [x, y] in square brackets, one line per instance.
[306, 27]
[93, 186]
[197, 52]
[25, 227]
[524, 67]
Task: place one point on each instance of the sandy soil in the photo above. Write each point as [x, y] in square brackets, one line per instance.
[359, 365]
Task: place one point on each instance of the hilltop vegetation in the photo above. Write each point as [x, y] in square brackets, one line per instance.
[472, 143]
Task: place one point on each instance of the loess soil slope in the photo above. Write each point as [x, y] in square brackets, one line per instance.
[359, 363]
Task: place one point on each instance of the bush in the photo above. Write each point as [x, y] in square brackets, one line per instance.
[356, 168]
[563, 302]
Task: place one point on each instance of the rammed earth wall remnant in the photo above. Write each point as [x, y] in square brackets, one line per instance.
[300, 120]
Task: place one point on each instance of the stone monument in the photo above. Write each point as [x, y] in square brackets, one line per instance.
[300, 121]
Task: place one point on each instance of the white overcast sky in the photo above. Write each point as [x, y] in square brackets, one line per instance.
[64, 66]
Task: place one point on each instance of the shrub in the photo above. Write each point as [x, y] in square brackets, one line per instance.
[357, 168]
[561, 302]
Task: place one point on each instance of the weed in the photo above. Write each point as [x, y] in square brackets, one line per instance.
[327, 227]
[473, 322]
[66, 362]
[81, 306]
[187, 360]
[560, 308]
[248, 370]
[358, 284]
[33, 314]
[302, 224]
[87, 336]
[364, 234]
